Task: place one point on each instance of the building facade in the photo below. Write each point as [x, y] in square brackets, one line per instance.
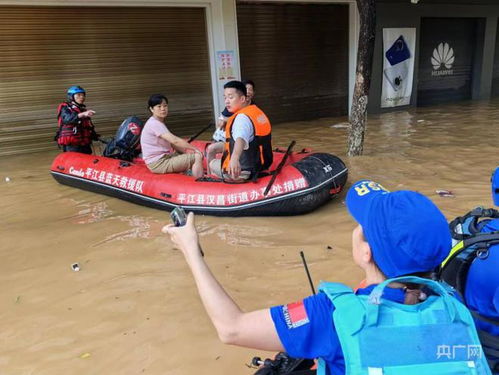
[300, 54]
[456, 55]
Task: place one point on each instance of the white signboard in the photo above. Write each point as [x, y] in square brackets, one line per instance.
[398, 66]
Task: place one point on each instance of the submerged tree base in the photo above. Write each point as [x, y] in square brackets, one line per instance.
[358, 113]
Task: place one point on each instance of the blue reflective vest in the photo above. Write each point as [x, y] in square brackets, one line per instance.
[382, 337]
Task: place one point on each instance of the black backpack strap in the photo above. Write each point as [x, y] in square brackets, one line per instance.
[483, 318]
[468, 223]
[483, 240]
[454, 269]
[490, 346]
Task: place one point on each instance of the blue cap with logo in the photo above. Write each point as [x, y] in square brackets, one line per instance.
[406, 231]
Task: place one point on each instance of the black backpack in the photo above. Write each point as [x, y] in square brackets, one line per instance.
[471, 243]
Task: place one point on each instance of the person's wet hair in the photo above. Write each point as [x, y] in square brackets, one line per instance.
[248, 82]
[156, 99]
[238, 86]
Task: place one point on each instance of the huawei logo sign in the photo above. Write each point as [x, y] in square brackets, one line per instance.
[442, 55]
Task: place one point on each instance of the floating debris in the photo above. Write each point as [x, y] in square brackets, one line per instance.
[75, 267]
[329, 247]
[445, 193]
[85, 355]
[7, 179]
[341, 125]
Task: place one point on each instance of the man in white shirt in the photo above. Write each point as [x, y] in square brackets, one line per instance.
[248, 148]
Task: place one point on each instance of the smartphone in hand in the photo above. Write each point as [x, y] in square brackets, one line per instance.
[178, 216]
[179, 219]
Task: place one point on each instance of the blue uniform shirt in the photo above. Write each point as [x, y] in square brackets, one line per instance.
[306, 329]
[482, 284]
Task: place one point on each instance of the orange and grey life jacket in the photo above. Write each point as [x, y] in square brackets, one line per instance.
[258, 156]
[78, 133]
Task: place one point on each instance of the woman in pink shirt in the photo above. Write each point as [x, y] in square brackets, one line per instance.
[163, 151]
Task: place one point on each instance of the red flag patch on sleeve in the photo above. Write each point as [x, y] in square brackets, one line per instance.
[295, 314]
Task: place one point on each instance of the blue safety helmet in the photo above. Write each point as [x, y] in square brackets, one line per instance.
[75, 90]
[495, 186]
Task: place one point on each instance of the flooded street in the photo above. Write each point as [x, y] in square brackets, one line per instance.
[133, 307]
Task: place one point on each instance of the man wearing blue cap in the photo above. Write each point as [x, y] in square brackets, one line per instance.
[473, 269]
[382, 329]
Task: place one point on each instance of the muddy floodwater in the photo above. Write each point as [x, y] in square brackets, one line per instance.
[132, 308]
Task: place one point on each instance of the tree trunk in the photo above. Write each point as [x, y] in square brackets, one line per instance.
[358, 113]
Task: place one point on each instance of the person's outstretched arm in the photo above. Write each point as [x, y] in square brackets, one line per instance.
[252, 329]
[178, 143]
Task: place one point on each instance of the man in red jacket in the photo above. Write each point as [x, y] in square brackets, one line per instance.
[76, 131]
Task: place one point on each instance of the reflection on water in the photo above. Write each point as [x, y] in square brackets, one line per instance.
[133, 307]
[93, 212]
[244, 235]
[140, 227]
[146, 227]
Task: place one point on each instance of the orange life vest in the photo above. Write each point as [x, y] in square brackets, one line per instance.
[259, 155]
